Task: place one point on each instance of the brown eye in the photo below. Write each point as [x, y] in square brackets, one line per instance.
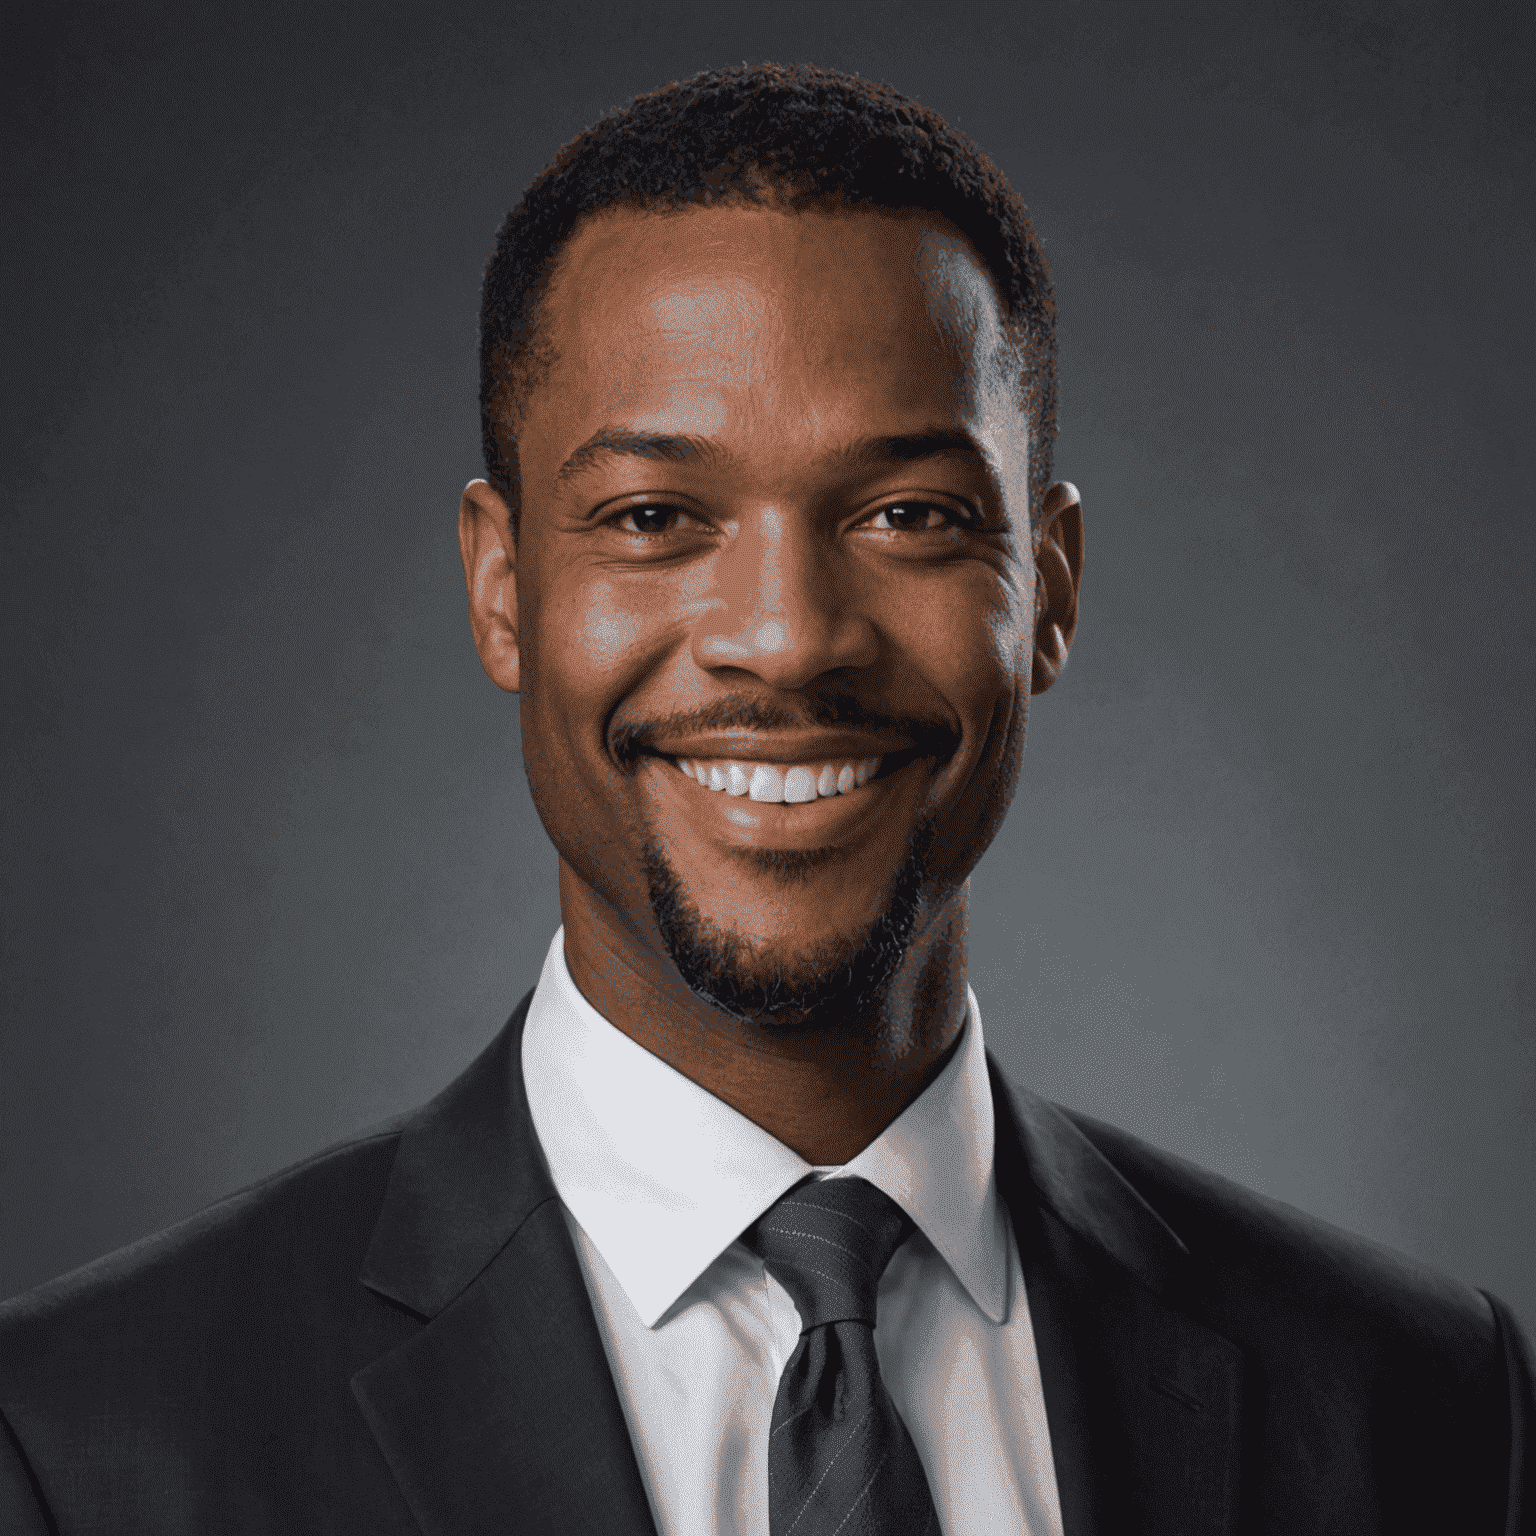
[649, 519]
[916, 516]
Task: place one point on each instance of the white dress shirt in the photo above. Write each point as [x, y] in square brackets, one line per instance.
[659, 1178]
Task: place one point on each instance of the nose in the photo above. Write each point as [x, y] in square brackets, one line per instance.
[784, 607]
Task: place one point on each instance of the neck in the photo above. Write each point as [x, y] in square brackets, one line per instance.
[825, 1093]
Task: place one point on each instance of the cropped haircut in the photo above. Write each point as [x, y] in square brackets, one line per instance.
[762, 134]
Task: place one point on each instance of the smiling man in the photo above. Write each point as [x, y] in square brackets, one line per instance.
[772, 602]
[734, 1228]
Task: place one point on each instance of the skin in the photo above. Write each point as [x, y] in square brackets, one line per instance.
[769, 575]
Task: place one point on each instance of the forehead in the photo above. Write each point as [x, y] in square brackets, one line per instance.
[719, 317]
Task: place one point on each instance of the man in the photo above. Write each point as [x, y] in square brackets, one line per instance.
[734, 1228]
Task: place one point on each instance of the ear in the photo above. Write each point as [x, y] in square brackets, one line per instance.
[490, 572]
[1058, 575]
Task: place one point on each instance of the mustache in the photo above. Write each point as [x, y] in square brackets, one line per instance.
[635, 739]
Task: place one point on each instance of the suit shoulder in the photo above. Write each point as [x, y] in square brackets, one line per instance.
[283, 1235]
[1292, 1265]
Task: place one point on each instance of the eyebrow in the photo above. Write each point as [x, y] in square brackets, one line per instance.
[677, 448]
[905, 447]
[613, 442]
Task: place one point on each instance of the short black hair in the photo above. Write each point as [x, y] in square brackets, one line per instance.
[795, 136]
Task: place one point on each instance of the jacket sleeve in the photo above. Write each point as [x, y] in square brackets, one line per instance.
[21, 1508]
[1520, 1375]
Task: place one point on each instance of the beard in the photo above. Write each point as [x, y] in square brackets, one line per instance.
[839, 984]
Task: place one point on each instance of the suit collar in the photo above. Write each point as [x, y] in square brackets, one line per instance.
[1075, 1181]
[1142, 1399]
[467, 1174]
[501, 1411]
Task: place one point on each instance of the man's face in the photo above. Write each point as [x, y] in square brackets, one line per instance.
[774, 587]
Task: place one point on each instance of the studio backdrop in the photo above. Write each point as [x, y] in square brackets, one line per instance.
[271, 868]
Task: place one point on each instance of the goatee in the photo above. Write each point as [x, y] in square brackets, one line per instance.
[836, 985]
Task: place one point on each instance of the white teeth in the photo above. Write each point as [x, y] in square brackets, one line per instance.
[774, 784]
[767, 784]
[799, 786]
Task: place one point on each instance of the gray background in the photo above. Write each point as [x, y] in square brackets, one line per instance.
[271, 869]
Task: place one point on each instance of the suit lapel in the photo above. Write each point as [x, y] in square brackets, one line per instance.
[1143, 1402]
[501, 1412]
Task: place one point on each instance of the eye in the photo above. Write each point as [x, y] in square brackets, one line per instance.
[653, 518]
[918, 517]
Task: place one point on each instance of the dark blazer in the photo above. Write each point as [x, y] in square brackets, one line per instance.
[395, 1336]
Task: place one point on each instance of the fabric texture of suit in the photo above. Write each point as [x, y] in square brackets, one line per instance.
[395, 1337]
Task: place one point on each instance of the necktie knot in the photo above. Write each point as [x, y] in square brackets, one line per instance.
[827, 1243]
[840, 1461]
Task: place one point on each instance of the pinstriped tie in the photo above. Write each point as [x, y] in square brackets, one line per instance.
[840, 1461]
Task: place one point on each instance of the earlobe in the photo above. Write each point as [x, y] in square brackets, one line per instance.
[490, 572]
[1058, 576]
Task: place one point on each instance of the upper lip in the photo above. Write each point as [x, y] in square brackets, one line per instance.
[808, 746]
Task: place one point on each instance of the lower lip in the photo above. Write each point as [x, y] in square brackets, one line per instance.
[768, 824]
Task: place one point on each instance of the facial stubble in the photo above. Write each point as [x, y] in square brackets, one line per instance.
[838, 984]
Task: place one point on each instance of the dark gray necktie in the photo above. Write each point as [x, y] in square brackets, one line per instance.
[840, 1461]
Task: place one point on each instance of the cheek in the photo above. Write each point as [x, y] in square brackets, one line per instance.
[586, 646]
[1011, 621]
[589, 640]
[978, 656]
[972, 636]
[1012, 630]
[1011, 649]
[604, 633]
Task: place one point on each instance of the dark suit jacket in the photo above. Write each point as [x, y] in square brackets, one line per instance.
[395, 1337]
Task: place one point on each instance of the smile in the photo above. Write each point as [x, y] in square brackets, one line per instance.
[781, 783]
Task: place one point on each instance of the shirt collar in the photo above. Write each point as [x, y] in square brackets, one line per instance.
[663, 1176]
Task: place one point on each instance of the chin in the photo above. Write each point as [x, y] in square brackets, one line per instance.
[837, 984]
